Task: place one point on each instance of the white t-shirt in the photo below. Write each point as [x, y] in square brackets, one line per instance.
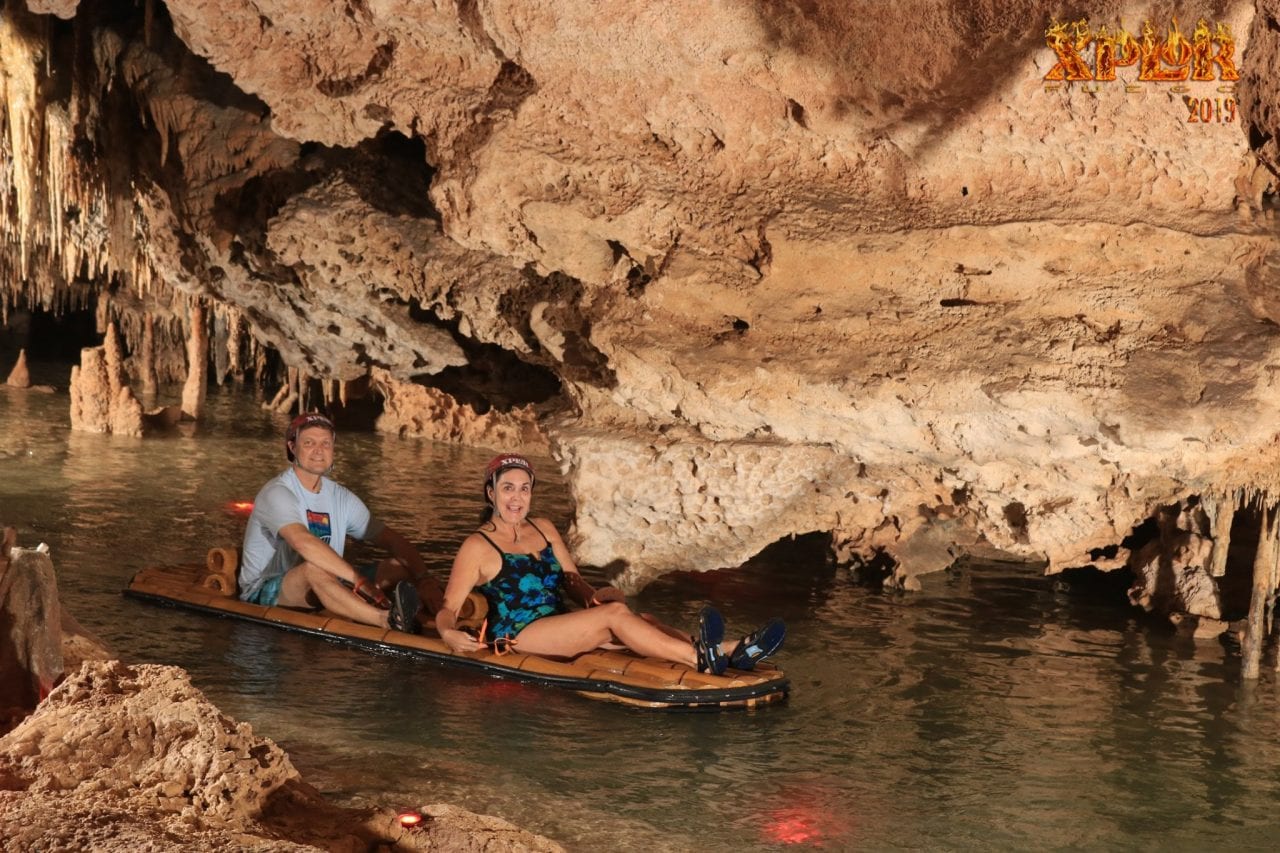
[332, 514]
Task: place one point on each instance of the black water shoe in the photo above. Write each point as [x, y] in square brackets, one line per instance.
[404, 608]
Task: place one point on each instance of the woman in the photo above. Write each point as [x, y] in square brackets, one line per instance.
[524, 570]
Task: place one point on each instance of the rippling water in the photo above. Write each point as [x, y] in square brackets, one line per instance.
[996, 709]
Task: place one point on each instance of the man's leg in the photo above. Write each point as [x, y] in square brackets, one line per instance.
[306, 584]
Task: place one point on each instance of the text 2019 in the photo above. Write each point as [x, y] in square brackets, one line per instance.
[1210, 110]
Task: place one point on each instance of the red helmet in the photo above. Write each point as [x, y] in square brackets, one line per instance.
[505, 462]
[301, 422]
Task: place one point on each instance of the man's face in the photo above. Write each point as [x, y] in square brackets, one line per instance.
[313, 450]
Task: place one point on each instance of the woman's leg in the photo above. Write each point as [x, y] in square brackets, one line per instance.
[582, 630]
[666, 629]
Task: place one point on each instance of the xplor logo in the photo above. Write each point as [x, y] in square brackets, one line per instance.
[1207, 56]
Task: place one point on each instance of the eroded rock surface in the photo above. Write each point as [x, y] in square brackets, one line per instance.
[134, 757]
[101, 400]
[839, 267]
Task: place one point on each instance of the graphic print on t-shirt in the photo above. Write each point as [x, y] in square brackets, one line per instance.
[318, 524]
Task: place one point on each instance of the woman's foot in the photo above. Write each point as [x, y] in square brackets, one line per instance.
[707, 645]
[758, 645]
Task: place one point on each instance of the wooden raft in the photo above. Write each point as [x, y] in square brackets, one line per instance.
[617, 676]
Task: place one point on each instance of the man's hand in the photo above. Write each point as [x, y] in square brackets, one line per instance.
[370, 593]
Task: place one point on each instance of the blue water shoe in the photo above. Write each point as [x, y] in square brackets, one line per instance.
[710, 635]
[758, 645]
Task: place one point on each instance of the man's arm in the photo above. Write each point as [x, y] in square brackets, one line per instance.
[315, 551]
[402, 549]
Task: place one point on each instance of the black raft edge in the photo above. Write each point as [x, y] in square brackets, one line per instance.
[687, 699]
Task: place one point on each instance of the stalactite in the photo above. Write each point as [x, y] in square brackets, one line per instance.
[1224, 513]
[147, 367]
[114, 354]
[23, 118]
[148, 21]
[218, 335]
[287, 396]
[1264, 558]
[196, 386]
[1271, 585]
[102, 316]
[235, 341]
[302, 391]
[259, 363]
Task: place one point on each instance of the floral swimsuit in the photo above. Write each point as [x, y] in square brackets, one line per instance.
[526, 588]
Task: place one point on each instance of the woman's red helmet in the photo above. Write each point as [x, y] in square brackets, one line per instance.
[301, 422]
[505, 462]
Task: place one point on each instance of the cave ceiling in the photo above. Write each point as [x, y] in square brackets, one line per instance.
[838, 267]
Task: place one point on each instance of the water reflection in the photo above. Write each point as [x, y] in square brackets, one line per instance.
[994, 710]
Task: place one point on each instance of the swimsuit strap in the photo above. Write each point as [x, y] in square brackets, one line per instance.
[495, 544]
[540, 533]
[504, 553]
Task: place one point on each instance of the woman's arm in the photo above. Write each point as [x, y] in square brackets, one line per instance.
[464, 576]
[574, 584]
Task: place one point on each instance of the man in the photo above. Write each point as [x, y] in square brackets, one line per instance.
[294, 541]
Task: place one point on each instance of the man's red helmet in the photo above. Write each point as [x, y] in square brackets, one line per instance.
[301, 422]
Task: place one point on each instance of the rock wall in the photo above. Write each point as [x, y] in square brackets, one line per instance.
[833, 266]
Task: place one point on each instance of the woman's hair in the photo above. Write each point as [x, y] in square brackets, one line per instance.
[497, 465]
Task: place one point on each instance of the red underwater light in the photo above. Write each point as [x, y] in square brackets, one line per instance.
[410, 819]
[793, 826]
[240, 507]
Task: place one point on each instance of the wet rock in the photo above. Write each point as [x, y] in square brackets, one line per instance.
[30, 631]
[19, 377]
[1172, 574]
[1199, 627]
[39, 639]
[101, 400]
[120, 758]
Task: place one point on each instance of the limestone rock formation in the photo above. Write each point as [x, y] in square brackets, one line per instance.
[19, 376]
[117, 757]
[414, 410]
[39, 640]
[30, 632]
[101, 400]
[123, 758]
[843, 267]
